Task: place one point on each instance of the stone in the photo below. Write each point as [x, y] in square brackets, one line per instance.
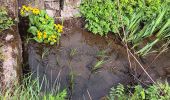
[52, 5]
[51, 13]
[70, 9]
[10, 50]
[35, 3]
[9, 37]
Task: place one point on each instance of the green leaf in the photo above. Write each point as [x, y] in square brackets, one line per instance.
[33, 30]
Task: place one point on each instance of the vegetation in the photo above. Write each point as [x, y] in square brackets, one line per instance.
[158, 29]
[32, 90]
[102, 16]
[158, 91]
[42, 26]
[5, 21]
[134, 20]
[99, 15]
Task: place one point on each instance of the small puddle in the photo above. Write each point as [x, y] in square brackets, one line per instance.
[86, 64]
[89, 65]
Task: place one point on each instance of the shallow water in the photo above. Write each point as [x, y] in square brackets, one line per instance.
[89, 65]
[76, 63]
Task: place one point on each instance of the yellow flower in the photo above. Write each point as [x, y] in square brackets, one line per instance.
[24, 6]
[30, 8]
[35, 11]
[26, 9]
[39, 34]
[45, 35]
[22, 12]
[39, 37]
[56, 26]
[55, 41]
[49, 39]
[59, 28]
[53, 36]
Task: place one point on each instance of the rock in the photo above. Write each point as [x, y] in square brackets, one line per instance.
[70, 9]
[9, 37]
[11, 56]
[10, 50]
[35, 3]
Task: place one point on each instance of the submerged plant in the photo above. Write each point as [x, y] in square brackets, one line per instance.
[5, 21]
[42, 26]
[98, 65]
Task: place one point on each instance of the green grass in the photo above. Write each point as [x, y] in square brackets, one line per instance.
[31, 89]
[158, 28]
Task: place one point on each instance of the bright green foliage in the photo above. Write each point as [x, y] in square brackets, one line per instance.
[103, 16]
[149, 7]
[141, 20]
[118, 93]
[42, 26]
[60, 96]
[5, 21]
[158, 91]
[157, 27]
[99, 15]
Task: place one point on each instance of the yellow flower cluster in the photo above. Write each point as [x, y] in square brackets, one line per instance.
[52, 38]
[59, 28]
[36, 11]
[26, 9]
[41, 35]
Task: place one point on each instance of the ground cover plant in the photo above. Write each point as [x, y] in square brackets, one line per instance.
[102, 16]
[41, 25]
[31, 89]
[159, 91]
[5, 21]
[134, 21]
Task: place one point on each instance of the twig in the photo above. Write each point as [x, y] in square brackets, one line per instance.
[128, 51]
[89, 94]
[125, 37]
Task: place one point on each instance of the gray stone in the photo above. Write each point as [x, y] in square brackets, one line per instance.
[52, 5]
[10, 50]
[70, 8]
[51, 13]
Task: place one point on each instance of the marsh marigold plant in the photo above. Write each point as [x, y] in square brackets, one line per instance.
[41, 25]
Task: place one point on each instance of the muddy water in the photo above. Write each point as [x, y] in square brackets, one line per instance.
[87, 65]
